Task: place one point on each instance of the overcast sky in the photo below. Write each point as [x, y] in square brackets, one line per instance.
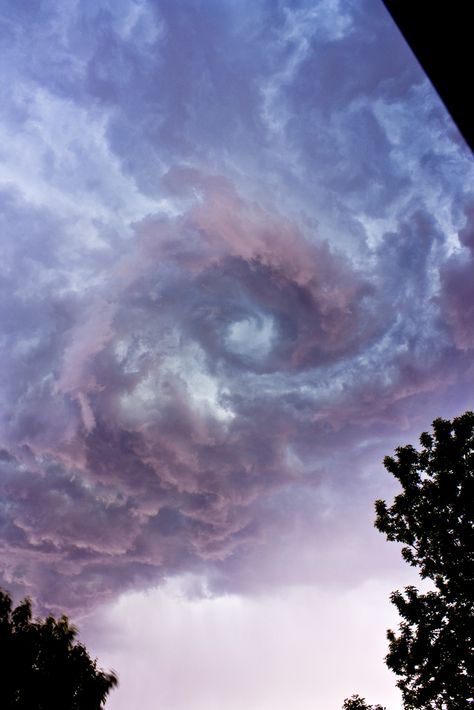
[237, 246]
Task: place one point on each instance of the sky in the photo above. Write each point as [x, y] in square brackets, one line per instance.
[237, 246]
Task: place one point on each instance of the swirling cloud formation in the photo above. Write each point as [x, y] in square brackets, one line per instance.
[236, 265]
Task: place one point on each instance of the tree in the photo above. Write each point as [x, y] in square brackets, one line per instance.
[42, 667]
[357, 703]
[433, 653]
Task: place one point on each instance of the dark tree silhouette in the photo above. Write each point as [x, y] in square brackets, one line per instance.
[42, 667]
[357, 703]
[433, 653]
[432, 517]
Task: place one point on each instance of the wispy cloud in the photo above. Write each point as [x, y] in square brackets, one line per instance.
[236, 259]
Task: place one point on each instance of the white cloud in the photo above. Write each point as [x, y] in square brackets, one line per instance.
[301, 648]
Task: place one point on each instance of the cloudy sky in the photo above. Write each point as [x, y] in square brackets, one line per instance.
[237, 242]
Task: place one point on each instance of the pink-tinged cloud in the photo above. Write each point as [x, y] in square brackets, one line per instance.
[235, 273]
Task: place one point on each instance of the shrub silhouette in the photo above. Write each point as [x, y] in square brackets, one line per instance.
[42, 667]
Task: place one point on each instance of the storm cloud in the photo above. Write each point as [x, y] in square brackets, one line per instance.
[236, 269]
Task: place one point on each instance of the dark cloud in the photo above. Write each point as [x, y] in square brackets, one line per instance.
[457, 286]
[231, 281]
[221, 354]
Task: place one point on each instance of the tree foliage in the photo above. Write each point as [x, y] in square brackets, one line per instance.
[42, 667]
[355, 702]
[433, 652]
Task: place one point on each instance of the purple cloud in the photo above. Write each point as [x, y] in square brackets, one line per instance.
[457, 290]
[236, 260]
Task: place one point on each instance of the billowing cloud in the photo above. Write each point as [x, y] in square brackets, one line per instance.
[236, 252]
[457, 292]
